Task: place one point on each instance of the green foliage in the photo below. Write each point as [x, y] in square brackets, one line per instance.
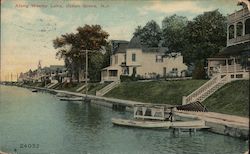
[206, 36]
[72, 48]
[199, 71]
[173, 33]
[150, 34]
[106, 57]
[126, 78]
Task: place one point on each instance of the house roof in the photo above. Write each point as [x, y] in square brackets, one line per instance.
[135, 43]
[119, 46]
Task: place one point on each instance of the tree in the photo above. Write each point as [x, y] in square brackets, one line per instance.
[173, 33]
[72, 48]
[206, 36]
[150, 34]
[199, 71]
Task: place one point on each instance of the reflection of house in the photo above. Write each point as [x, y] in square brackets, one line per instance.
[132, 58]
[235, 58]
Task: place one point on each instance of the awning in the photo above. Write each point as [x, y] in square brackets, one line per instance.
[111, 68]
[239, 49]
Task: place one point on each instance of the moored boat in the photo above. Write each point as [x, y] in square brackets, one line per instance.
[157, 116]
[34, 90]
[141, 123]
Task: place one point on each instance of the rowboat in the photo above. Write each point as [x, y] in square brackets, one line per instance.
[141, 123]
[34, 90]
[193, 124]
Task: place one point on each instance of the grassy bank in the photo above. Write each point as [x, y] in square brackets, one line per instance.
[233, 98]
[92, 87]
[169, 92]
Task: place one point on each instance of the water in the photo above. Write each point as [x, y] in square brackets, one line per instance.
[59, 127]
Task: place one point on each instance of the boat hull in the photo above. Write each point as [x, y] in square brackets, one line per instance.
[141, 123]
[195, 124]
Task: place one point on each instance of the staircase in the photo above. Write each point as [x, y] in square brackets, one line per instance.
[207, 89]
[107, 88]
[50, 86]
[81, 88]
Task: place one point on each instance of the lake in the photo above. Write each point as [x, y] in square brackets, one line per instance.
[39, 123]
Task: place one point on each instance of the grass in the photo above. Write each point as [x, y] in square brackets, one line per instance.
[233, 98]
[168, 92]
[92, 87]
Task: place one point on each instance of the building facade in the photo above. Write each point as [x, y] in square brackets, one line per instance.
[235, 57]
[132, 57]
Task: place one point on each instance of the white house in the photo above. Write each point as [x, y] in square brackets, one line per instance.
[131, 57]
[234, 59]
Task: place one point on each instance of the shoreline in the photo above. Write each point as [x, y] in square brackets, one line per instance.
[230, 125]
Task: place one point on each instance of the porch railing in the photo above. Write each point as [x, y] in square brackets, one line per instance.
[231, 68]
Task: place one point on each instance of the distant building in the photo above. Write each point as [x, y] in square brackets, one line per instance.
[133, 58]
[235, 58]
[54, 73]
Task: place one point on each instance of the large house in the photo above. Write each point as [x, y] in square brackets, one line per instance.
[235, 58]
[133, 58]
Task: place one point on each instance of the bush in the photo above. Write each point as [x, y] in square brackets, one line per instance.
[199, 71]
[125, 78]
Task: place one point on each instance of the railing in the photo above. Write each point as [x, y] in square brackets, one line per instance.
[203, 88]
[106, 89]
[238, 14]
[231, 68]
[238, 39]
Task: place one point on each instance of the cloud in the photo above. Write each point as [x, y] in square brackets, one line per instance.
[173, 7]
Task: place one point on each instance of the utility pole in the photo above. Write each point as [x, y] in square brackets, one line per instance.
[86, 76]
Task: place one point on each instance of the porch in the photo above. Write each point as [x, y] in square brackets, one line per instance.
[110, 73]
[233, 66]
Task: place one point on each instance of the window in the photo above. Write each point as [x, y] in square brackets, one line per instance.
[239, 27]
[159, 59]
[110, 60]
[116, 59]
[247, 26]
[133, 57]
[231, 31]
[112, 73]
[174, 69]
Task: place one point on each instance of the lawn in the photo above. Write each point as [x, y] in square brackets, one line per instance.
[168, 92]
[233, 98]
[92, 87]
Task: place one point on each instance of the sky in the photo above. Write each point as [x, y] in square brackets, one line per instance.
[28, 27]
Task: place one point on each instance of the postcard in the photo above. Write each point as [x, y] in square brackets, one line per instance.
[124, 76]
